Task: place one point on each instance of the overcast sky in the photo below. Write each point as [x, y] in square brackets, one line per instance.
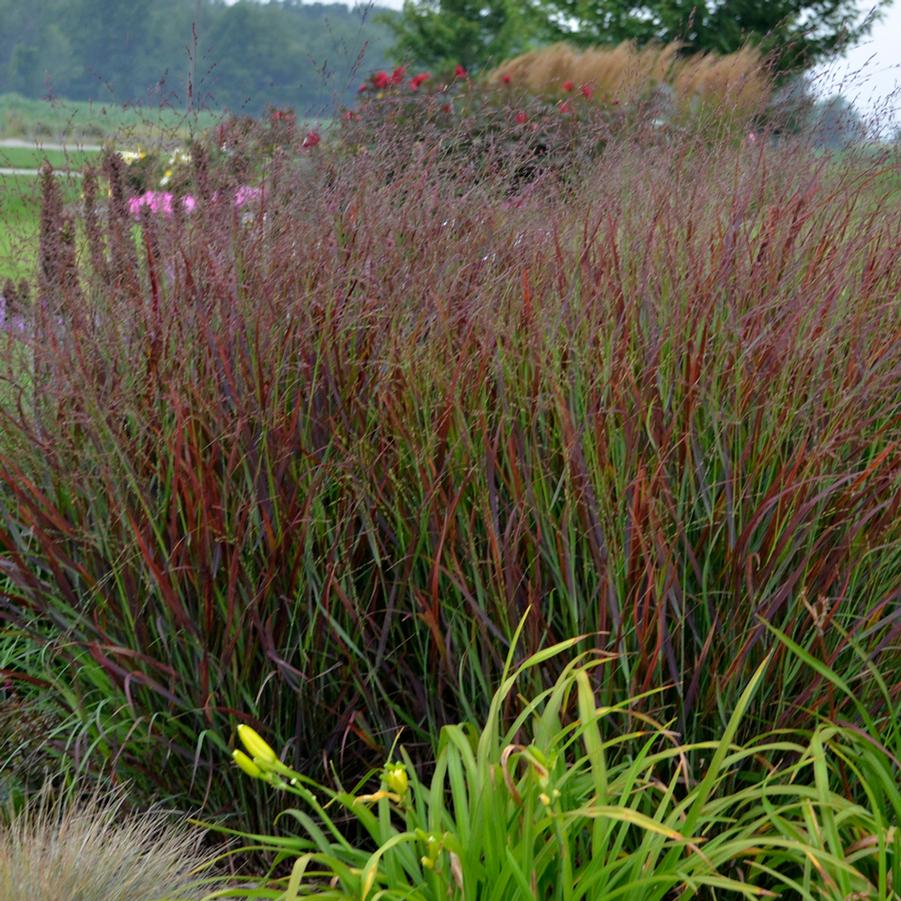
[870, 73]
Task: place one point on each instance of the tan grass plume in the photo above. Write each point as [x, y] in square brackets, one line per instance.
[739, 81]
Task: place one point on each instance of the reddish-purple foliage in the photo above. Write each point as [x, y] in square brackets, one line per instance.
[309, 467]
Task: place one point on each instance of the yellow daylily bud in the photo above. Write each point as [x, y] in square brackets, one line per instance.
[246, 764]
[257, 748]
[396, 778]
[377, 796]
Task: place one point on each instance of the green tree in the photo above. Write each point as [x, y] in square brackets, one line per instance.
[24, 72]
[795, 33]
[442, 33]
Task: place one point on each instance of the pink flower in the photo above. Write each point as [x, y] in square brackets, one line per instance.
[158, 202]
[565, 107]
[752, 137]
[586, 91]
[362, 88]
[398, 75]
[521, 118]
[568, 86]
[417, 80]
[162, 203]
[460, 72]
[189, 203]
[312, 139]
[246, 194]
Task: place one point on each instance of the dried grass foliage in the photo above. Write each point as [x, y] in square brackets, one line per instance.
[625, 73]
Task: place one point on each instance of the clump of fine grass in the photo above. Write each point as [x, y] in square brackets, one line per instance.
[738, 83]
[94, 849]
[305, 464]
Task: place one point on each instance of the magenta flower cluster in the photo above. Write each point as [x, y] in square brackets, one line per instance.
[162, 203]
[159, 203]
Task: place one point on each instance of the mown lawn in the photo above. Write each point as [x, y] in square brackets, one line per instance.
[35, 157]
[20, 210]
[19, 219]
[92, 122]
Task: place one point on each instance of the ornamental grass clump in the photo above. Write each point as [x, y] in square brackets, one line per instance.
[735, 86]
[303, 464]
[95, 849]
[569, 798]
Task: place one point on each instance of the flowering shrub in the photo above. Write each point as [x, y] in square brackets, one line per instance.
[179, 179]
[474, 130]
[177, 171]
[141, 169]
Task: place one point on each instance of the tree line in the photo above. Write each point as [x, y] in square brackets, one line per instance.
[242, 57]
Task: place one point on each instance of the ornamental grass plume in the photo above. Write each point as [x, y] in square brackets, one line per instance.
[312, 466]
[737, 81]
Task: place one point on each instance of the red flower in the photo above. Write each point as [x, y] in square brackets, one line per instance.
[565, 107]
[362, 88]
[586, 91]
[312, 139]
[417, 80]
[398, 75]
[521, 118]
[350, 116]
[286, 116]
[445, 108]
[568, 86]
[381, 80]
[460, 72]
[505, 78]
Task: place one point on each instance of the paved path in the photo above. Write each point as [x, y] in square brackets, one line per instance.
[43, 145]
[6, 170]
